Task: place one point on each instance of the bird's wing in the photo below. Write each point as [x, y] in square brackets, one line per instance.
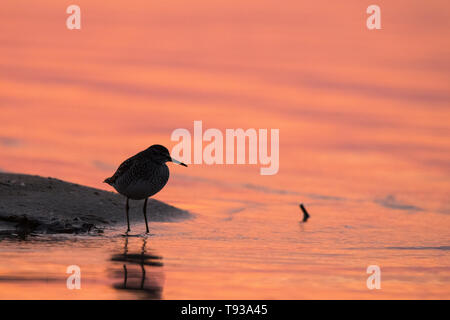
[123, 168]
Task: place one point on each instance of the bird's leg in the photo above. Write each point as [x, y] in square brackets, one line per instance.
[127, 208]
[145, 213]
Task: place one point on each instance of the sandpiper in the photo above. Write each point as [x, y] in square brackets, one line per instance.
[142, 176]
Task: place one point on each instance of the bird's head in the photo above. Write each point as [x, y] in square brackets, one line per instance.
[161, 155]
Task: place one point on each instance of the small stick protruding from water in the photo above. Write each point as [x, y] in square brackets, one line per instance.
[305, 213]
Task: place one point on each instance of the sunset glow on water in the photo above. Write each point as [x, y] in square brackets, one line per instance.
[363, 119]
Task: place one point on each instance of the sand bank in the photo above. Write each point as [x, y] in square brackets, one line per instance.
[33, 204]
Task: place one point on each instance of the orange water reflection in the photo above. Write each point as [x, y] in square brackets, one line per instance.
[364, 135]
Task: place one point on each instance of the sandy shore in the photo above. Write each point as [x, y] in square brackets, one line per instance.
[33, 204]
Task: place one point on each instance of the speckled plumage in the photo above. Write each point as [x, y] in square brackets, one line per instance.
[142, 176]
[139, 177]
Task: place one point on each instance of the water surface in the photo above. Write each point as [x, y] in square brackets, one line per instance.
[364, 143]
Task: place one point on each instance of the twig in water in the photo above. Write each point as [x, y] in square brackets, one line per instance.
[305, 213]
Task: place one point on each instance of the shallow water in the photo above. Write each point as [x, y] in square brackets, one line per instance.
[230, 254]
[364, 143]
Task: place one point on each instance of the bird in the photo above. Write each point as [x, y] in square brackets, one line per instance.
[142, 176]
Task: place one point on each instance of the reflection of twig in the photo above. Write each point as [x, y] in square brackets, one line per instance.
[305, 213]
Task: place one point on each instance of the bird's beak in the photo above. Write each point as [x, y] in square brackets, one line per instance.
[178, 162]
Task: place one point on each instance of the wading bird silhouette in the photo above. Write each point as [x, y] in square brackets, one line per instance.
[142, 176]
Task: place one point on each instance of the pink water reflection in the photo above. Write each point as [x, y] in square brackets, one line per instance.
[363, 118]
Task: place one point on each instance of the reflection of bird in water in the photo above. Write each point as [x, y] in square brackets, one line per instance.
[142, 176]
[134, 280]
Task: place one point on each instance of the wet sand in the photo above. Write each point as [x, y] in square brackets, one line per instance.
[37, 205]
